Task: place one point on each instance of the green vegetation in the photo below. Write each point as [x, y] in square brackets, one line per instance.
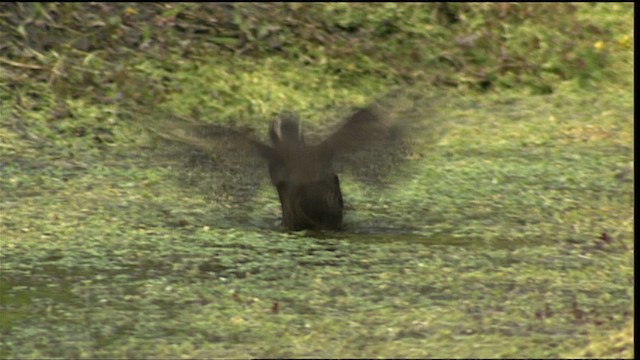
[510, 237]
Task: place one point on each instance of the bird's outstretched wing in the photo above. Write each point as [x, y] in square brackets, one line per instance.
[224, 140]
[364, 128]
[218, 159]
[373, 142]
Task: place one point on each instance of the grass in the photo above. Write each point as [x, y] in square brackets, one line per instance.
[510, 237]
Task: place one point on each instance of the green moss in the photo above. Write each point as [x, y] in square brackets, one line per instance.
[510, 237]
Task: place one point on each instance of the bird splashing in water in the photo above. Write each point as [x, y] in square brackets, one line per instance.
[304, 175]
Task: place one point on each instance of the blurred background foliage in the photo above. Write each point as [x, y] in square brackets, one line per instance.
[243, 60]
[476, 45]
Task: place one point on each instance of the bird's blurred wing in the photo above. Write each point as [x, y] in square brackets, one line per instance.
[375, 141]
[364, 128]
[216, 158]
[219, 140]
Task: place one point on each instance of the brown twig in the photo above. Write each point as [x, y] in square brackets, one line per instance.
[22, 65]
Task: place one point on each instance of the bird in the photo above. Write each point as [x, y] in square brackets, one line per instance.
[303, 174]
[304, 177]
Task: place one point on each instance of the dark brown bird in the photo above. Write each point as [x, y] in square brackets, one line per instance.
[304, 177]
[303, 174]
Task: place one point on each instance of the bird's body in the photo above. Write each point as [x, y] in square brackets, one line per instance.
[303, 175]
